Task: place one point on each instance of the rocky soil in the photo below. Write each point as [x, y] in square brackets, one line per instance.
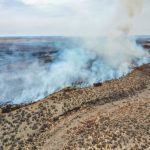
[112, 115]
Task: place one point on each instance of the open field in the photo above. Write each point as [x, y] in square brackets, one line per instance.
[112, 115]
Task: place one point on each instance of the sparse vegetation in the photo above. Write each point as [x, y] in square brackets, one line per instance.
[30, 125]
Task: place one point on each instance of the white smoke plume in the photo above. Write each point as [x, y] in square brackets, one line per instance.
[97, 59]
[76, 66]
[119, 50]
[128, 10]
[133, 7]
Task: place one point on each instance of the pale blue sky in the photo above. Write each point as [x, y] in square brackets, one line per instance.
[64, 17]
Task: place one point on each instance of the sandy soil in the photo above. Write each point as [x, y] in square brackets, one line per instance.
[121, 125]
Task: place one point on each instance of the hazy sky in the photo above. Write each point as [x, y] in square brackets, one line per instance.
[65, 17]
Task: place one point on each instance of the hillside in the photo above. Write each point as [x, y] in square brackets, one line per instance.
[113, 114]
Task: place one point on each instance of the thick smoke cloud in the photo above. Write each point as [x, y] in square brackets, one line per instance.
[128, 10]
[97, 59]
[118, 42]
[29, 80]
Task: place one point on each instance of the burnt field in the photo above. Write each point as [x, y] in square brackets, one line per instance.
[145, 42]
[20, 52]
[45, 49]
[25, 63]
[27, 50]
